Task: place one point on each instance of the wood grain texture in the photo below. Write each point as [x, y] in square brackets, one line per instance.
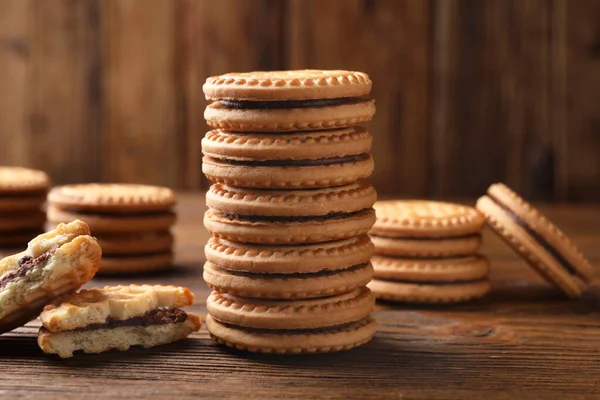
[50, 65]
[216, 38]
[15, 41]
[523, 341]
[468, 92]
[577, 66]
[141, 141]
[493, 56]
[391, 41]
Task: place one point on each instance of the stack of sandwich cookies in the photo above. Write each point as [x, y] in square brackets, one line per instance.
[131, 222]
[426, 252]
[117, 317]
[537, 240]
[55, 263]
[289, 211]
[22, 194]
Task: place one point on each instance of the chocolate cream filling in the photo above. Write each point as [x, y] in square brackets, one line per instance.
[541, 241]
[297, 163]
[325, 329]
[26, 264]
[291, 218]
[324, 272]
[274, 105]
[158, 316]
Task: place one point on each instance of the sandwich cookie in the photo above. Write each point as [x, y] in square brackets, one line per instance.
[131, 221]
[108, 198]
[22, 194]
[115, 223]
[417, 228]
[55, 263]
[117, 317]
[446, 280]
[24, 182]
[287, 217]
[300, 100]
[537, 240]
[292, 327]
[288, 161]
[288, 272]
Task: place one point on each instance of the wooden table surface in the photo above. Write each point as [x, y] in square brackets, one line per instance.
[525, 340]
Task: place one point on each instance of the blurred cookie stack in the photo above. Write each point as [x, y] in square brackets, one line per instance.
[289, 212]
[425, 252]
[22, 194]
[131, 222]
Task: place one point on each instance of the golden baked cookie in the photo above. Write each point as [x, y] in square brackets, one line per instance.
[285, 101]
[288, 160]
[55, 263]
[111, 197]
[22, 181]
[321, 325]
[537, 240]
[117, 317]
[420, 228]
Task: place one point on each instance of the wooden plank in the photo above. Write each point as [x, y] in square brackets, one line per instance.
[141, 140]
[390, 40]
[576, 64]
[15, 42]
[523, 341]
[53, 77]
[215, 38]
[491, 97]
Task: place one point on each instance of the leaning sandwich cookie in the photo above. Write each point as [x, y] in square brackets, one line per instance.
[537, 240]
[55, 263]
[117, 317]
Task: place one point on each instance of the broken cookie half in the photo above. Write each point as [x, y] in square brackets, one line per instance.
[55, 263]
[117, 317]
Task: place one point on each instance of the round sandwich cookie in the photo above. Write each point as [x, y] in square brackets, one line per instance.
[134, 264]
[411, 292]
[537, 240]
[290, 259]
[22, 221]
[144, 243]
[20, 203]
[469, 268]
[22, 181]
[444, 280]
[115, 223]
[286, 314]
[287, 85]
[116, 317]
[292, 327]
[54, 264]
[112, 198]
[300, 100]
[419, 228]
[294, 216]
[265, 118]
[326, 340]
[293, 160]
[286, 285]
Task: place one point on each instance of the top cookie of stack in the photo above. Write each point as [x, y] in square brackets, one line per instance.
[22, 193]
[317, 110]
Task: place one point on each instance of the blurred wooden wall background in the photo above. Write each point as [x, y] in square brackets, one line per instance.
[468, 91]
